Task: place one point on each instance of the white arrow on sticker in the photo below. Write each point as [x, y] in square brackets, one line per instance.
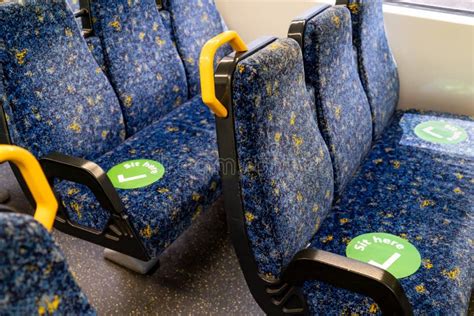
[429, 130]
[387, 264]
[121, 178]
[455, 136]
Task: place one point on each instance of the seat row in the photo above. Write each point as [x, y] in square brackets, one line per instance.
[319, 156]
[324, 167]
[136, 114]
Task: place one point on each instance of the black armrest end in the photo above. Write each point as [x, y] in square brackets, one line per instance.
[81, 171]
[119, 234]
[353, 275]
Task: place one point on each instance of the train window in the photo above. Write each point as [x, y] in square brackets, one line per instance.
[457, 6]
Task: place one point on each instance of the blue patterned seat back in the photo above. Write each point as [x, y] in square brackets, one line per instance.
[35, 279]
[377, 67]
[142, 63]
[342, 106]
[56, 98]
[285, 169]
[194, 23]
[93, 43]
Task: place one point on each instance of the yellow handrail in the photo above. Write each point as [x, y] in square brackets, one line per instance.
[206, 68]
[46, 203]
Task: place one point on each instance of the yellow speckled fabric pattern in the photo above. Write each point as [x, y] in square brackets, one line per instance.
[194, 22]
[420, 193]
[184, 142]
[343, 110]
[377, 67]
[141, 61]
[56, 97]
[34, 273]
[285, 169]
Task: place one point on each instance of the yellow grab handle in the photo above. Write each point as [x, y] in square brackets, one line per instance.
[206, 68]
[46, 203]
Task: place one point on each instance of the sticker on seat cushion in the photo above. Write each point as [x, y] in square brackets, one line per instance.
[134, 174]
[441, 132]
[386, 251]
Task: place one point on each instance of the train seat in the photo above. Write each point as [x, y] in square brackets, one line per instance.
[423, 198]
[279, 195]
[342, 108]
[93, 42]
[402, 178]
[377, 67]
[161, 211]
[35, 276]
[142, 63]
[379, 75]
[57, 100]
[194, 23]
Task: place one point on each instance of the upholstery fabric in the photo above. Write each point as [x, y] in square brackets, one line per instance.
[421, 192]
[194, 23]
[161, 211]
[343, 110]
[56, 97]
[93, 43]
[166, 19]
[141, 61]
[35, 276]
[377, 67]
[285, 169]
[75, 112]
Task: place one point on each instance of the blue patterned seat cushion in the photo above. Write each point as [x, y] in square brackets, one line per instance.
[56, 98]
[285, 169]
[184, 142]
[35, 276]
[420, 191]
[194, 23]
[343, 110]
[141, 61]
[377, 67]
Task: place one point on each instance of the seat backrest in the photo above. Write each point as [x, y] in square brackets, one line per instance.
[377, 67]
[285, 171]
[93, 42]
[35, 276]
[343, 110]
[141, 61]
[56, 97]
[194, 23]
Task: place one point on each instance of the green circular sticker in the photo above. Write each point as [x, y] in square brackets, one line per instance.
[440, 132]
[136, 174]
[386, 251]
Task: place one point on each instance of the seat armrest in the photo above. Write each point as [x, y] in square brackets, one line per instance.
[353, 275]
[119, 235]
[81, 171]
